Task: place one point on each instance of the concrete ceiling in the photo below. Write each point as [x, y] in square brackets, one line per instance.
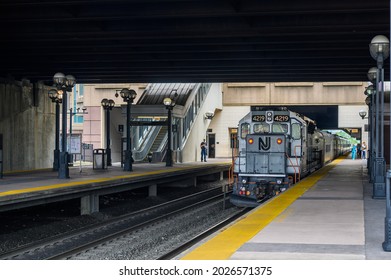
[110, 41]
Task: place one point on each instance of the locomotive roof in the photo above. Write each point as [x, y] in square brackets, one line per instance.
[268, 108]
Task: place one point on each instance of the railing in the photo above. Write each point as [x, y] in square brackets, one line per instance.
[192, 110]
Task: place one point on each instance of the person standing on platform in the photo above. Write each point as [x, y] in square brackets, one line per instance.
[358, 153]
[364, 150]
[354, 152]
[203, 150]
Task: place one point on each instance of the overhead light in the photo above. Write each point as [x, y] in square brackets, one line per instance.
[209, 115]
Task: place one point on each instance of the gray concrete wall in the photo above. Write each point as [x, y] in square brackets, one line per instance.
[27, 122]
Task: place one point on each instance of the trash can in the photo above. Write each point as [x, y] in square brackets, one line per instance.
[99, 159]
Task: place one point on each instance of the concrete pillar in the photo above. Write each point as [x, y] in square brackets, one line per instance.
[89, 204]
[152, 190]
[221, 175]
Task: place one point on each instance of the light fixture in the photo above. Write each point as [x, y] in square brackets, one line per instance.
[368, 100]
[104, 102]
[59, 78]
[128, 94]
[209, 115]
[379, 49]
[362, 113]
[372, 72]
[167, 101]
[369, 90]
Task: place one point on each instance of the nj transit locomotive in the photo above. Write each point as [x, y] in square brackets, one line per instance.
[277, 148]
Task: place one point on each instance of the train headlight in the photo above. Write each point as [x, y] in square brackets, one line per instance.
[279, 141]
[250, 141]
[279, 181]
[244, 181]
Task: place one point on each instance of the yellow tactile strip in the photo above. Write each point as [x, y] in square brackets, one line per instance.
[222, 246]
[99, 180]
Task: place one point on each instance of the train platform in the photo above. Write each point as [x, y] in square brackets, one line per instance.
[330, 215]
[35, 187]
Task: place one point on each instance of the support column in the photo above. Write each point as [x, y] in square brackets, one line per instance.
[63, 171]
[152, 190]
[89, 204]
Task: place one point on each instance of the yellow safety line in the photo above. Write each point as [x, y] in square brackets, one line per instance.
[228, 241]
[99, 180]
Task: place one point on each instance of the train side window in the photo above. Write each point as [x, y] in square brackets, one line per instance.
[296, 131]
[244, 130]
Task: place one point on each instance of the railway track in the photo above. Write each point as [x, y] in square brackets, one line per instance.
[74, 243]
[181, 248]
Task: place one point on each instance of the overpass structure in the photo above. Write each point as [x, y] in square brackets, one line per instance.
[106, 41]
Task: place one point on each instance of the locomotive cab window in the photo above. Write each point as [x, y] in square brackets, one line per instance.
[261, 128]
[244, 130]
[296, 131]
[280, 128]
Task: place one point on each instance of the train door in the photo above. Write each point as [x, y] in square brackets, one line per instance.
[304, 151]
[211, 145]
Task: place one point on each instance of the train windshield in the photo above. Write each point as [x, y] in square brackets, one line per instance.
[280, 128]
[261, 128]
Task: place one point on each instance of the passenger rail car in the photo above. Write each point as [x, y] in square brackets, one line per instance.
[277, 148]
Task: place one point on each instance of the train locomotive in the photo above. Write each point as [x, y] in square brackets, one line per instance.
[276, 148]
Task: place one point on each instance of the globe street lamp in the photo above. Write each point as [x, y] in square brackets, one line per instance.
[56, 98]
[128, 96]
[108, 105]
[379, 50]
[64, 83]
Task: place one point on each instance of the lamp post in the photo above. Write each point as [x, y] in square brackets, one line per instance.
[64, 83]
[371, 91]
[169, 103]
[108, 106]
[56, 98]
[128, 96]
[379, 50]
[369, 100]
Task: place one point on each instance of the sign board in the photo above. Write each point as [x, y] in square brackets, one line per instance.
[73, 144]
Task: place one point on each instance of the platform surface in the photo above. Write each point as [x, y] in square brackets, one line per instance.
[330, 215]
[25, 184]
